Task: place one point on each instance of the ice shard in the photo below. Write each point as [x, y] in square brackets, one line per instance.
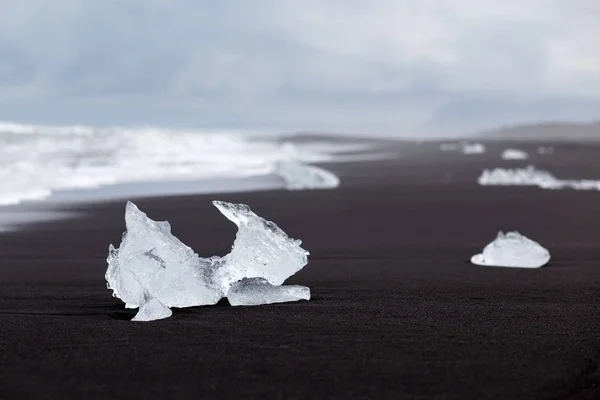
[151, 263]
[260, 250]
[151, 309]
[153, 270]
[512, 250]
[257, 291]
[298, 176]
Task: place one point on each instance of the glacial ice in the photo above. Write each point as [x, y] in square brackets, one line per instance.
[449, 146]
[545, 150]
[298, 176]
[464, 147]
[152, 309]
[530, 176]
[512, 250]
[260, 250]
[257, 291]
[473, 148]
[152, 263]
[153, 270]
[514, 154]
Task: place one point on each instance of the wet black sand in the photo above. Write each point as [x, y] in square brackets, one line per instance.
[397, 311]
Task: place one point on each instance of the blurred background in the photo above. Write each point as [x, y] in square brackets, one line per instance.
[384, 66]
[98, 93]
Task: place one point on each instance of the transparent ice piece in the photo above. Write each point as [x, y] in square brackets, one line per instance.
[257, 291]
[153, 270]
[151, 309]
[260, 250]
[152, 262]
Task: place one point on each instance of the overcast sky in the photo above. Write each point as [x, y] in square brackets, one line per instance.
[344, 65]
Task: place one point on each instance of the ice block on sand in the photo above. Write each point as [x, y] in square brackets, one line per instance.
[153, 270]
[512, 250]
[257, 291]
[298, 176]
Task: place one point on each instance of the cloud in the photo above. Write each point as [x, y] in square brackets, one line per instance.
[386, 65]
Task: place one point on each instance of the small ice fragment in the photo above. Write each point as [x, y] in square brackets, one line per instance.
[257, 291]
[473, 148]
[545, 150]
[464, 147]
[514, 154]
[512, 250]
[299, 176]
[530, 176]
[449, 146]
[152, 310]
[261, 249]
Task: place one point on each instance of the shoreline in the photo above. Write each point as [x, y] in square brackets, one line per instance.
[326, 150]
[397, 311]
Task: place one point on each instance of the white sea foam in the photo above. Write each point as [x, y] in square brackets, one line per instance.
[36, 161]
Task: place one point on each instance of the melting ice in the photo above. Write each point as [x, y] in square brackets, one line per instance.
[299, 176]
[257, 291]
[530, 176]
[545, 150]
[153, 270]
[465, 147]
[473, 148]
[512, 250]
[514, 154]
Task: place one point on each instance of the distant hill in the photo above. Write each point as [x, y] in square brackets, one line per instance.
[549, 131]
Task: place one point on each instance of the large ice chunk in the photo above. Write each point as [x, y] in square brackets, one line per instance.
[153, 270]
[514, 154]
[260, 250]
[257, 291]
[512, 250]
[530, 176]
[298, 176]
[150, 259]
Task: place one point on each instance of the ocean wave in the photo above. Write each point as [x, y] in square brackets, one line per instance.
[36, 161]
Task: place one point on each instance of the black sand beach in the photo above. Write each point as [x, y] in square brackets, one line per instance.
[397, 310]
